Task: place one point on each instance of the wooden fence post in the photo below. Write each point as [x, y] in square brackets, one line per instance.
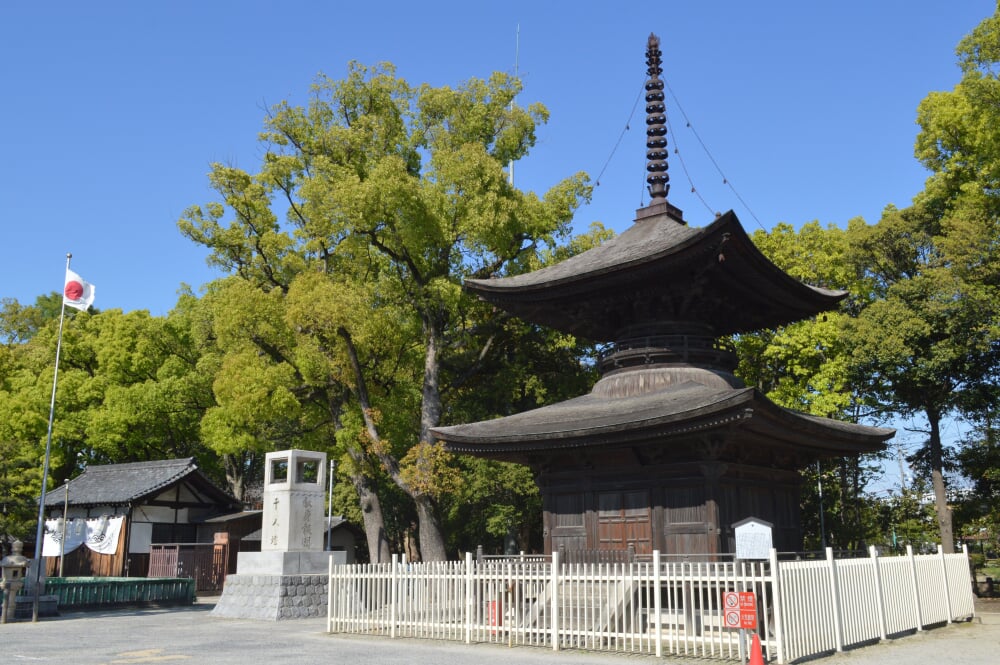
[877, 568]
[838, 616]
[393, 595]
[657, 603]
[554, 582]
[916, 588]
[469, 600]
[779, 632]
[944, 578]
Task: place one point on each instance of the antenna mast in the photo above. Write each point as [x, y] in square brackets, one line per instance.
[517, 55]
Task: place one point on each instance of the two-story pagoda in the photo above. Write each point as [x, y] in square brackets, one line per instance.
[669, 449]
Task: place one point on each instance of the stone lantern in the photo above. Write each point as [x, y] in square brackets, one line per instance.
[12, 568]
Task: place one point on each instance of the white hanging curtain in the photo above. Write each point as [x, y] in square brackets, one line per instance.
[100, 534]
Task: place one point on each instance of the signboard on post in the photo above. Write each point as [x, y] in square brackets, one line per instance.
[753, 538]
[748, 610]
[739, 609]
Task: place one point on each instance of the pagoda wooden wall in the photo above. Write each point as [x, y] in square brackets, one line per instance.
[685, 508]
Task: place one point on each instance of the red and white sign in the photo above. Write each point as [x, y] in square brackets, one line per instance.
[739, 609]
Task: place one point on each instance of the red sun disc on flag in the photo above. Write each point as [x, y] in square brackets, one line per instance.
[74, 290]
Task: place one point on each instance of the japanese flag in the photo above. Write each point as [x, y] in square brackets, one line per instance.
[78, 293]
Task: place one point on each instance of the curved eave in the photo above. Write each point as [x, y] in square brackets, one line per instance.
[825, 436]
[594, 421]
[652, 418]
[659, 255]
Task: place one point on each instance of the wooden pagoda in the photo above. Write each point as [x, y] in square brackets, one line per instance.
[669, 449]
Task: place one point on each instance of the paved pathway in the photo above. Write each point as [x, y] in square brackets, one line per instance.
[191, 635]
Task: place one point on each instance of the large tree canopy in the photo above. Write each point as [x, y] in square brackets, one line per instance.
[806, 366]
[930, 343]
[370, 207]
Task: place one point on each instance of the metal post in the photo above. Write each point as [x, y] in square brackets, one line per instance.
[822, 518]
[40, 530]
[62, 543]
[741, 586]
[329, 504]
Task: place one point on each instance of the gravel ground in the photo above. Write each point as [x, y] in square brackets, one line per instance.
[190, 634]
[975, 642]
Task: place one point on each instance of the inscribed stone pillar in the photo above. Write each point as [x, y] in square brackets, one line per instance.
[294, 482]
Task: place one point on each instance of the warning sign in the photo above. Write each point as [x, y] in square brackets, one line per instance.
[731, 609]
[739, 609]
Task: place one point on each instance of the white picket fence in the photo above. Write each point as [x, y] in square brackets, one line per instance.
[657, 607]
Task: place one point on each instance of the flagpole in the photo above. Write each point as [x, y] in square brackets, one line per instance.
[40, 531]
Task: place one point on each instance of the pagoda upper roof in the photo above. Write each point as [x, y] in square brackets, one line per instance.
[656, 419]
[661, 270]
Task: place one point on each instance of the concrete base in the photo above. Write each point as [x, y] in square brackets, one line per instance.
[273, 597]
[24, 607]
[273, 586]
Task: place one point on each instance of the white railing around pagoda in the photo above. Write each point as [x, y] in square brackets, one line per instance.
[663, 606]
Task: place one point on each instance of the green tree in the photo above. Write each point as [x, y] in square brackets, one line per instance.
[930, 344]
[978, 459]
[20, 478]
[806, 366]
[397, 193]
[925, 345]
[130, 388]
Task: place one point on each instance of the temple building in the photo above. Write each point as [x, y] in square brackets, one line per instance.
[669, 449]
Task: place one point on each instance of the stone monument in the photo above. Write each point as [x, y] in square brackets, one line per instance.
[288, 578]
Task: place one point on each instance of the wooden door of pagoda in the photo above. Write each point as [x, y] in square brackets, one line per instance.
[623, 519]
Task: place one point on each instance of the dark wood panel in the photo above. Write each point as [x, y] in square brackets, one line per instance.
[623, 521]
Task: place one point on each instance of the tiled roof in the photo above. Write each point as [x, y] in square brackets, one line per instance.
[117, 484]
[660, 270]
[654, 417]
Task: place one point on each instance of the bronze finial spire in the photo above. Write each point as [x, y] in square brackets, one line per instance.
[656, 124]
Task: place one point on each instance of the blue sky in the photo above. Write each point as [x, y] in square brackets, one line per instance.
[113, 111]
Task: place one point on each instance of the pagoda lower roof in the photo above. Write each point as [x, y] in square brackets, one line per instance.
[660, 269]
[654, 419]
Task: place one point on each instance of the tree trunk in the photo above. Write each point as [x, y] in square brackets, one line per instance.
[368, 501]
[371, 513]
[430, 404]
[431, 537]
[239, 468]
[233, 479]
[937, 479]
